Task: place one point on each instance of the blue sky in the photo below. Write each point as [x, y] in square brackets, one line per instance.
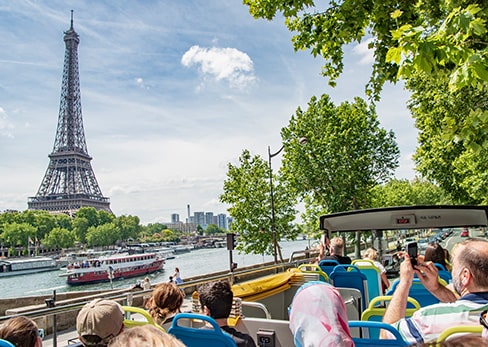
[172, 91]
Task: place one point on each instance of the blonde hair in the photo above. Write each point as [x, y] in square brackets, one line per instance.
[145, 336]
[166, 299]
[371, 253]
[21, 331]
[337, 245]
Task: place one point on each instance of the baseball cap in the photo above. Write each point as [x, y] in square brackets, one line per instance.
[99, 321]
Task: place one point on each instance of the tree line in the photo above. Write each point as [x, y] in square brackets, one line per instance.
[89, 227]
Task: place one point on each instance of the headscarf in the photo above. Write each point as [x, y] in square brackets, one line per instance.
[318, 317]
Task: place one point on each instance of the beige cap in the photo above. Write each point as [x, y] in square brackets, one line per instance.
[99, 321]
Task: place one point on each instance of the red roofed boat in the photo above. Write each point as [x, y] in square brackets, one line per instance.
[117, 266]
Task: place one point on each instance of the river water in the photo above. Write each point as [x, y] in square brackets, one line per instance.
[194, 263]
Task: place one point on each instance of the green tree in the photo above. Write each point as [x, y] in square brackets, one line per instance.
[406, 38]
[18, 234]
[453, 141]
[247, 190]
[64, 221]
[404, 193]
[103, 235]
[59, 238]
[80, 227]
[90, 214]
[128, 226]
[347, 153]
[213, 229]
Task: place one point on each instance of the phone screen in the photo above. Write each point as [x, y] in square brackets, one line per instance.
[412, 250]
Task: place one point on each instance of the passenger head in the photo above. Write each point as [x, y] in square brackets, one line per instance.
[21, 331]
[371, 253]
[216, 299]
[435, 253]
[318, 317]
[337, 245]
[145, 336]
[470, 266]
[464, 340]
[99, 321]
[166, 300]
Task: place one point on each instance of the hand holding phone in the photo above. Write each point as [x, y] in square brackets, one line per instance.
[412, 250]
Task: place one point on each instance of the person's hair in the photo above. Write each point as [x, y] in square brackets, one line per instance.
[177, 270]
[145, 336]
[474, 255]
[371, 253]
[166, 299]
[435, 253]
[21, 331]
[217, 297]
[337, 245]
[465, 340]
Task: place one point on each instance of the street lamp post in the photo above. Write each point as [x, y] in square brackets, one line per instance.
[273, 230]
[273, 227]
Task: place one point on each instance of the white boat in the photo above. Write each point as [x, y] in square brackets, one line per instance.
[182, 248]
[113, 267]
[22, 266]
[78, 257]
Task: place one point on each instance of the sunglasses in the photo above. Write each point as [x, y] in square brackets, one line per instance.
[40, 333]
[483, 319]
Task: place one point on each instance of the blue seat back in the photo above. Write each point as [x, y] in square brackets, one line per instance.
[196, 337]
[367, 328]
[328, 265]
[5, 343]
[418, 292]
[349, 276]
[443, 273]
[373, 276]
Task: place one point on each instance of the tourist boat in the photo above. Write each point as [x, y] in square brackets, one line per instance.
[113, 267]
[78, 257]
[22, 266]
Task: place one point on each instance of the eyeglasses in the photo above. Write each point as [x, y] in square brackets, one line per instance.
[483, 319]
[40, 333]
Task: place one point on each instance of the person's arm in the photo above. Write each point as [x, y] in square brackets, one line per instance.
[384, 279]
[397, 307]
[429, 276]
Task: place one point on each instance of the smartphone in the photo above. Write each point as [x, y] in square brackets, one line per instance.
[412, 249]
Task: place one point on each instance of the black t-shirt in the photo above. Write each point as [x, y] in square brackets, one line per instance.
[241, 339]
[341, 259]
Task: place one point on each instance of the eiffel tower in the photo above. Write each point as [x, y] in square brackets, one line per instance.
[69, 182]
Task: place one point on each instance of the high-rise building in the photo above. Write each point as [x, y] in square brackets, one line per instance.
[175, 218]
[199, 219]
[222, 221]
[69, 182]
[209, 218]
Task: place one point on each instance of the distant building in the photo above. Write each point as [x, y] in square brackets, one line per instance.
[209, 218]
[199, 218]
[222, 221]
[182, 227]
[175, 218]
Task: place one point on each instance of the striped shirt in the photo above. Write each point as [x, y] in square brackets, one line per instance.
[429, 322]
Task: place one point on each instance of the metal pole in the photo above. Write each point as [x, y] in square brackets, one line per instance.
[273, 230]
[302, 140]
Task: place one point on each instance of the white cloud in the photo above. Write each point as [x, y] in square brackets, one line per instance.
[227, 64]
[363, 50]
[6, 126]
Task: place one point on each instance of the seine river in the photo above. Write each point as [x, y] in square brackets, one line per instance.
[194, 263]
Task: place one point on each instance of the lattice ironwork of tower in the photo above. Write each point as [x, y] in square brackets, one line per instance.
[69, 182]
